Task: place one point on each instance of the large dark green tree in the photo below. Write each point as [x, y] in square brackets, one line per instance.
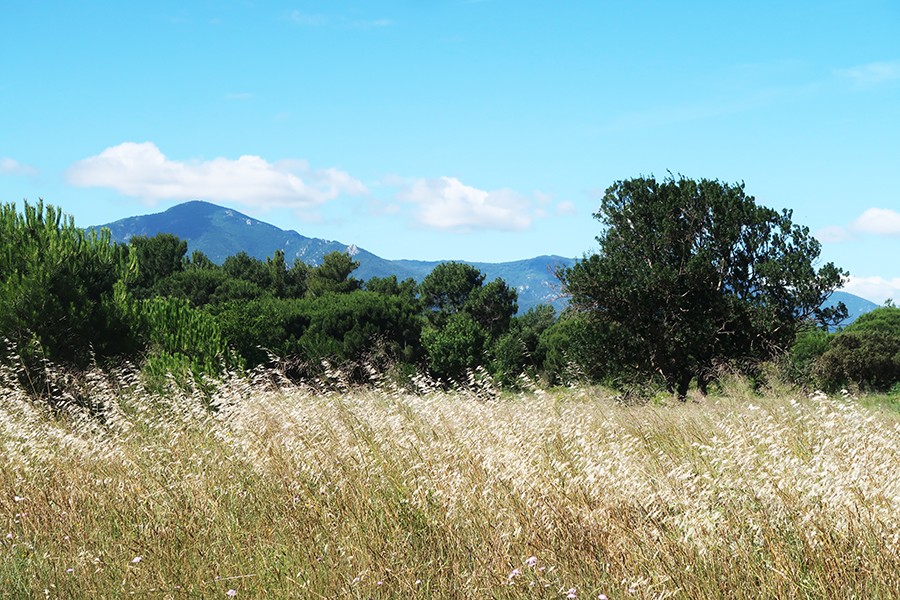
[692, 273]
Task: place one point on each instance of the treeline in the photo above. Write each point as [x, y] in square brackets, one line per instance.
[74, 298]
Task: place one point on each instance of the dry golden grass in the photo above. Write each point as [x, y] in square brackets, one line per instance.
[375, 493]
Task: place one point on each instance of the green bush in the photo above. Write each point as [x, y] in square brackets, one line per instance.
[62, 296]
[799, 364]
[341, 328]
[865, 355]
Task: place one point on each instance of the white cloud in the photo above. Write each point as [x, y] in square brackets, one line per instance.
[833, 234]
[566, 208]
[8, 166]
[143, 171]
[872, 73]
[876, 289]
[873, 221]
[447, 203]
[878, 221]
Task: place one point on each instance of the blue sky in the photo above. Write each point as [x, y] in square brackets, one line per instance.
[457, 129]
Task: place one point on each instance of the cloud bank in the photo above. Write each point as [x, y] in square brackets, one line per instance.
[143, 171]
[873, 221]
[449, 204]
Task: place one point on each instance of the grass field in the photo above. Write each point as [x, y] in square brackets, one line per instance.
[379, 493]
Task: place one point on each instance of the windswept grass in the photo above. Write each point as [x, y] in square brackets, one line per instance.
[292, 492]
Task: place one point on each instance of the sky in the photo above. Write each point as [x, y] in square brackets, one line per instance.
[480, 130]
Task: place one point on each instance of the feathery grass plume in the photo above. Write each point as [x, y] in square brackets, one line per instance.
[331, 489]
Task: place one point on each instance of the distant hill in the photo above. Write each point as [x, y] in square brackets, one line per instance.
[856, 306]
[221, 232]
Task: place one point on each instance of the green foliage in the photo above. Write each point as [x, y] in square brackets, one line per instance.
[157, 258]
[692, 273]
[333, 276]
[456, 347]
[182, 341]
[58, 294]
[800, 362]
[577, 347]
[202, 286]
[341, 328]
[407, 289]
[447, 288]
[493, 306]
[519, 350]
[246, 268]
[466, 320]
[865, 355]
[347, 327]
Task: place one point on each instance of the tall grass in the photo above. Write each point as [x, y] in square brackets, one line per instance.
[289, 491]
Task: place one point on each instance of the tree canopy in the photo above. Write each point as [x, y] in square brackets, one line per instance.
[691, 273]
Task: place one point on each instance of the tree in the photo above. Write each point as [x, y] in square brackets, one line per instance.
[465, 317]
[691, 273]
[247, 268]
[333, 276]
[157, 257]
[446, 290]
[62, 290]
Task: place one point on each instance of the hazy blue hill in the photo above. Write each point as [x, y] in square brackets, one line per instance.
[856, 306]
[222, 232]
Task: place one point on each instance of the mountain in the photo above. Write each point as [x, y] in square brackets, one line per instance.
[222, 232]
[856, 306]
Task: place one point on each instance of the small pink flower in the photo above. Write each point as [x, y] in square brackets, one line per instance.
[10, 536]
[136, 560]
[602, 597]
[515, 573]
[531, 561]
[231, 593]
[571, 594]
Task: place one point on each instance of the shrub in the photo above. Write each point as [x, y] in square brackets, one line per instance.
[865, 355]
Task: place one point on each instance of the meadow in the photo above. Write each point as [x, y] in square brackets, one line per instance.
[328, 491]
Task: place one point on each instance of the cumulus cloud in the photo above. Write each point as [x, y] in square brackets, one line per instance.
[872, 73]
[876, 289]
[8, 166]
[873, 221]
[143, 171]
[878, 221]
[447, 203]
